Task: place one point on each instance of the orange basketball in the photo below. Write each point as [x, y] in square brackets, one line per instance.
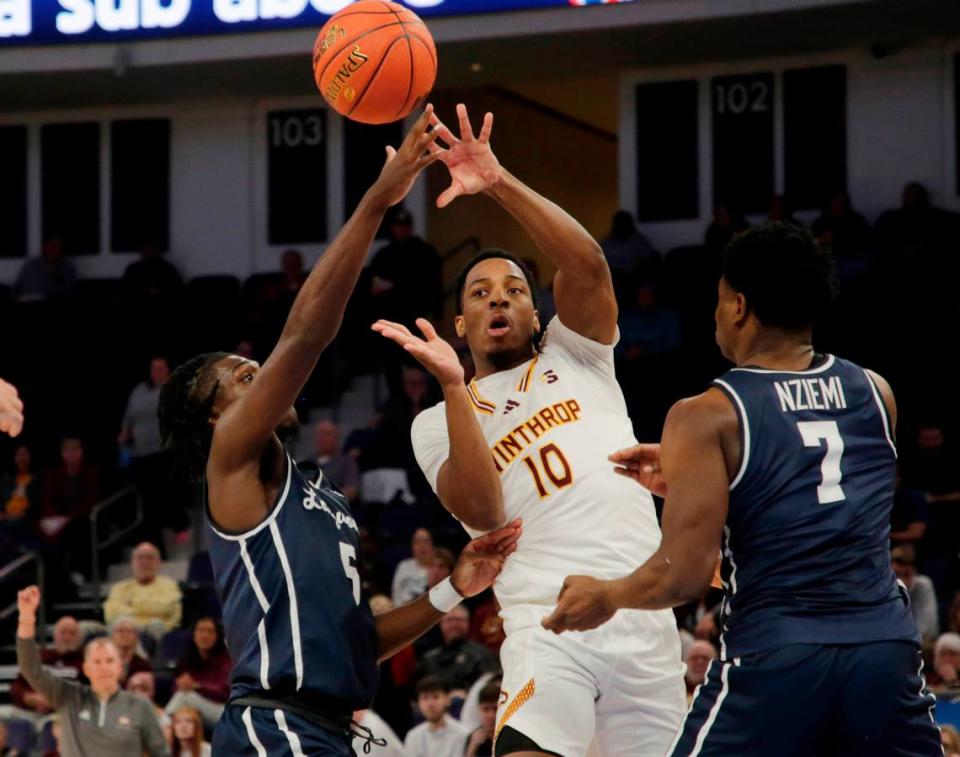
[374, 61]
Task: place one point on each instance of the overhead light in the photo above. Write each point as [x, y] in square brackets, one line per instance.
[476, 67]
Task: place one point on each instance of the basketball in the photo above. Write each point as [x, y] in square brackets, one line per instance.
[374, 61]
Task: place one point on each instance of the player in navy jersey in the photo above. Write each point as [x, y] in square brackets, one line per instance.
[788, 462]
[284, 548]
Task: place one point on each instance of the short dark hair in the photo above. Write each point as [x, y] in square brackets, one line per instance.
[503, 255]
[430, 685]
[786, 277]
[445, 556]
[490, 693]
[186, 401]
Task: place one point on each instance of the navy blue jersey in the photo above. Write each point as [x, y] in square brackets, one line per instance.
[294, 618]
[806, 546]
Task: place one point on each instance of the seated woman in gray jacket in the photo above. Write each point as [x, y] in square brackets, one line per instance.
[99, 720]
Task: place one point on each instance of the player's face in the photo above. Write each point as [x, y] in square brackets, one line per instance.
[498, 319]
[235, 374]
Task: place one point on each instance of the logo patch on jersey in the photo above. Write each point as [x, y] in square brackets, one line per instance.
[313, 501]
[124, 722]
[549, 377]
[511, 404]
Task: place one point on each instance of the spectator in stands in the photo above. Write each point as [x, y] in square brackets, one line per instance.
[151, 277]
[49, 276]
[410, 577]
[203, 673]
[458, 662]
[842, 229]
[779, 210]
[946, 663]
[6, 751]
[486, 625]
[406, 283]
[392, 701]
[153, 600]
[69, 493]
[390, 446]
[950, 738]
[722, 228]
[336, 465]
[151, 464]
[480, 742]
[929, 465]
[953, 616]
[144, 684]
[646, 327]
[698, 659]
[124, 725]
[125, 636]
[65, 657]
[629, 255]
[439, 735]
[188, 734]
[916, 232]
[441, 566]
[923, 598]
[382, 730]
[19, 490]
[910, 515]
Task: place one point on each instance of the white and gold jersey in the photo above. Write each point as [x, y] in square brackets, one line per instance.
[551, 423]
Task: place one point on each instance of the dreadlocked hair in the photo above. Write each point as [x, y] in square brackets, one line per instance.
[186, 401]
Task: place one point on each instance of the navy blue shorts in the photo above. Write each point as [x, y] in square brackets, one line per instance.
[259, 732]
[813, 700]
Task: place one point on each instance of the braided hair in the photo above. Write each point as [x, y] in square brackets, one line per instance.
[186, 402]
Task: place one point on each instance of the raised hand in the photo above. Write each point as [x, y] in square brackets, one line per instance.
[473, 166]
[11, 409]
[482, 559]
[641, 463]
[432, 352]
[583, 603]
[403, 166]
[28, 600]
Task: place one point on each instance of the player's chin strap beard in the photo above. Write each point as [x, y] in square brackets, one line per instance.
[506, 359]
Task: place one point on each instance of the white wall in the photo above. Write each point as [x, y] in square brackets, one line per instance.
[218, 186]
[900, 122]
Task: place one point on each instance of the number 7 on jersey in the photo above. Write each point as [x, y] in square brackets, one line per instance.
[812, 432]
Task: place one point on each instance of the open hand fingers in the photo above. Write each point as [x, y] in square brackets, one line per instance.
[466, 130]
[486, 129]
[427, 329]
[382, 324]
[442, 131]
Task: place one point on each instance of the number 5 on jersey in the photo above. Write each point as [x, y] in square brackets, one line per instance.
[348, 556]
[554, 464]
[812, 432]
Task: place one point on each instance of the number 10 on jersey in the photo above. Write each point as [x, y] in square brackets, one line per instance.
[549, 463]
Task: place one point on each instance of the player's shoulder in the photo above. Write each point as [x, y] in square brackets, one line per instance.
[710, 410]
[558, 337]
[430, 420]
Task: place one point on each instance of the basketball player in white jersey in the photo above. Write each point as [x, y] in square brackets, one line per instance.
[528, 437]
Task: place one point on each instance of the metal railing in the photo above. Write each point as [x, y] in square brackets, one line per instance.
[12, 569]
[97, 546]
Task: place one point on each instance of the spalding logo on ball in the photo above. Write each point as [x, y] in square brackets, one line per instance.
[374, 61]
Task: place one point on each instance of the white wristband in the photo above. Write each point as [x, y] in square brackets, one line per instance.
[444, 597]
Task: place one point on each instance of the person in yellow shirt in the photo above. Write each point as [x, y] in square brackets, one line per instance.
[152, 600]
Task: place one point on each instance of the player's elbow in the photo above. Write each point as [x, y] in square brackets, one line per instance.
[480, 514]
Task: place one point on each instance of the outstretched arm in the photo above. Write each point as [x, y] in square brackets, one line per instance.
[583, 289]
[42, 680]
[244, 430]
[478, 566]
[468, 484]
[695, 469]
